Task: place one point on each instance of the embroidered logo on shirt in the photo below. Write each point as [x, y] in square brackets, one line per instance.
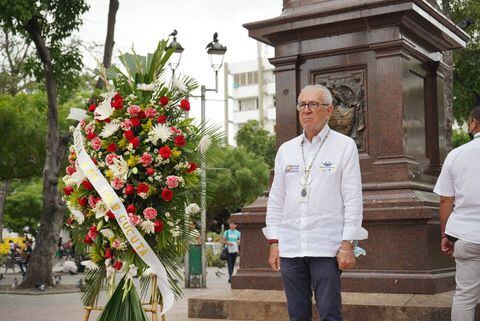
[327, 167]
[292, 169]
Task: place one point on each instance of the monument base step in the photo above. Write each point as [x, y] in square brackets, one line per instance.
[270, 305]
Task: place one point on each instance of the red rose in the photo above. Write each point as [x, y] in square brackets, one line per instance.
[87, 240]
[70, 220]
[164, 100]
[135, 122]
[68, 190]
[107, 120]
[158, 226]
[165, 152]
[150, 171]
[142, 115]
[82, 201]
[118, 265]
[131, 209]
[135, 141]
[117, 101]
[87, 185]
[94, 161]
[108, 253]
[129, 134]
[167, 194]
[142, 188]
[92, 108]
[162, 119]
[91, 136]
[112, 148]
[180, 141]
[185, 104]
[110, 215]
[129, 189]
[191, 167]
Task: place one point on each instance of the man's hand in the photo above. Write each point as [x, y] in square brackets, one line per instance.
[274, 258]
[447, 246]
[345, 256]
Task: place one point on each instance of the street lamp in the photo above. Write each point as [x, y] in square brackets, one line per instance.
[174, 60]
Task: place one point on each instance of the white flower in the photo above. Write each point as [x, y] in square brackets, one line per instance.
[77, 215]
[119, 168]
[132, 270]
[192, 209]
[159, 132]
[100, 209]
[146, 87]
[105, 109]
[204, 144]
[148, 226]
[110, 128]
[67, 179]
[107, 233]
[135, 170]
[108, 261]
[110, 271]
[89, 265]
[179, 85]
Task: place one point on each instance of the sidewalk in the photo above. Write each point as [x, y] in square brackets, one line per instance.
[61, 307]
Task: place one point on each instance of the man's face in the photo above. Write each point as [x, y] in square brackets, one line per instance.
[313, 120]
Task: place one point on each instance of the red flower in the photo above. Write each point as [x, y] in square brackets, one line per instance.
[158, 226]
[118, 265]
[142, 188]
[185, 104]
[70, 169]
[162, 119]
[131, 209]
[167, 194]
[112, 148]
[87, 240]
[180, 141]
[129, 134]
[135, 141]
[82, 201]
[68, 190]
[91, 136]
[150, 171]
[117, 101]
[165, 152]
[70, 220]
[135, 121]
[108, 253]
[191, 167]
[92, 108]
[87, 185]
[110, 215]
[142, 115]
[164, 100]
[129, 189]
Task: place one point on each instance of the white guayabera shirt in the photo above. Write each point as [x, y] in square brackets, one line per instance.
[333, 209]
[459, 179]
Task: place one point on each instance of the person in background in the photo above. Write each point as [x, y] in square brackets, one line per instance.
[231, 239]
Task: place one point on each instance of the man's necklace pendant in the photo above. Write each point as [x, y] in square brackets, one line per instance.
[304, 192]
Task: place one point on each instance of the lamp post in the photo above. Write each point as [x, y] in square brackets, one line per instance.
[174, 60]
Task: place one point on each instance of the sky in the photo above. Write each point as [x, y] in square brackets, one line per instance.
[142, 23]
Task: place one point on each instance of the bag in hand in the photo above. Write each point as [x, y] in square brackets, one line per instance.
[224, 254]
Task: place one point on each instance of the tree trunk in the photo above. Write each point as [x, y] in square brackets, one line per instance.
[110, 39]
[3, 196]
[448, 85]
[39, 269]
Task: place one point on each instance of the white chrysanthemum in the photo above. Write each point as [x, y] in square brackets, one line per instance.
[110, 128]
[107, 233]
[192, 209]
[146, 87]
[105, 109]
[89, 265]
[204, 144]
[179, 85]
[119, 168]
[79, 217]
[148, 226]
[159, 132]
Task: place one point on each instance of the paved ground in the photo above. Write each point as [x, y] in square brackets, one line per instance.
[63, 307]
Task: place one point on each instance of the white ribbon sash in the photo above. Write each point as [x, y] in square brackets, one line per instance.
[111, 200]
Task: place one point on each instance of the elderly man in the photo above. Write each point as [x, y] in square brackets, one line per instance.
[459, 189]
[314, 213]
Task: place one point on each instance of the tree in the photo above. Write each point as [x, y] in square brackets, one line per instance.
[257, 141]
[235, 178]
[49, 24]
[110, 39]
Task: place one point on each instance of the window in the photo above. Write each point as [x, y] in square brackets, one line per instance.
[245, 79]
[248, 104]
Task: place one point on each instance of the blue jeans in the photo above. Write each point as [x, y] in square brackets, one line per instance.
[231, 258]
[303, 275]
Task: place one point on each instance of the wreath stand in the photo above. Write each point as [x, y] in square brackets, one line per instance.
[151, 306]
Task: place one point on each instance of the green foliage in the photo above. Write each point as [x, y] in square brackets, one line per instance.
[257, 141]
[23, 129]
[213, 260]
[466, 83]
[23, 206]
[459, 137]
[235, 179]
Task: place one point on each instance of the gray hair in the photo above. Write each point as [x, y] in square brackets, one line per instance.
[327, 95]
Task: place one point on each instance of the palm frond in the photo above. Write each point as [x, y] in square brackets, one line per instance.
[94, 281]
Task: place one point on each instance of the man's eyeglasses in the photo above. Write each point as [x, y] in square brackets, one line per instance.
[313, 105]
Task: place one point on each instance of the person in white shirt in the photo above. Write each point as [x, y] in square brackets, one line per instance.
[459, 191]
[314, 212]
